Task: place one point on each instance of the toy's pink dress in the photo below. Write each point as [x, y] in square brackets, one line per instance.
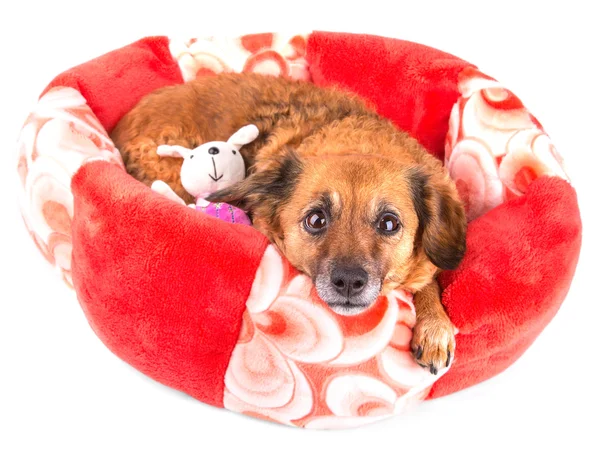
[225, 212]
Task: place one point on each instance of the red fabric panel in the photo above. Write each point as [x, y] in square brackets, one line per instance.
[113, 83]
[520, 261]
[163, 286]
[413, 85]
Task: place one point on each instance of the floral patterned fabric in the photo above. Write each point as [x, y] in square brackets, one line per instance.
[299, 363]
[274, 54]
[495, 148]
[59, 136]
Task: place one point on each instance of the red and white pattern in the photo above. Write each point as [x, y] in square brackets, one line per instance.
[296, 361]
[274, 54]
[495, 148]
[299, 363]
[59, 136]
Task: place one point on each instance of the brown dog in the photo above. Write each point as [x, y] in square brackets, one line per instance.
[349, 199]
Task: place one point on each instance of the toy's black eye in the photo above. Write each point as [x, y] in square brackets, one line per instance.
[388, 223]
[191, 156]
[315, 221]
[234, 152]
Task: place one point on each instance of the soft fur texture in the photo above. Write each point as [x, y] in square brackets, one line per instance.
[519, 263]
[320, 150]
[411, 84]
[212, 108]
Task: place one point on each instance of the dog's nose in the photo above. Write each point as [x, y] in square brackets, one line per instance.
[349, 281]
[213, 151]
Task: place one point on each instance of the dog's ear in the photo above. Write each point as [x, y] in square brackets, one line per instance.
[264, 192]
[442, 220]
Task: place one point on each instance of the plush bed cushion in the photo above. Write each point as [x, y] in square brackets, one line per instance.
[166, 288]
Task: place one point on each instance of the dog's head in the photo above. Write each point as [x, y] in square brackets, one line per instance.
[356, 224]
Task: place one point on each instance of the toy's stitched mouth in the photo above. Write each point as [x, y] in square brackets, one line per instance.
[215, 178]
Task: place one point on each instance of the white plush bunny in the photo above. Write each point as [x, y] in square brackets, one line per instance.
[209, 167]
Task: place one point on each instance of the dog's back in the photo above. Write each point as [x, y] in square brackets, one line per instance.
[347, 197]
[212, 108]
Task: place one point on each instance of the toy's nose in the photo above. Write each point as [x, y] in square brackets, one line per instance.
[213, 151]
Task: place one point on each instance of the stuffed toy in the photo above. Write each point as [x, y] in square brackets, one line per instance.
[208, 168]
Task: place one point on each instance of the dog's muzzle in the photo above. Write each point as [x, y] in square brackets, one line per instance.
[347, 289]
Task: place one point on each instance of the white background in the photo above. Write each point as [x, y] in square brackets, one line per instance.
[63, 392]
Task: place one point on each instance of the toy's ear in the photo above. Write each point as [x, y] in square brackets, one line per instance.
[176, 151]
[243, 136]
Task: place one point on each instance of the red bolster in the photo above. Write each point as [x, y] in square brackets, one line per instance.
[163, 286]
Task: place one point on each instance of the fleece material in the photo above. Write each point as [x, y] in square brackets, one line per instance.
[113, 83]
[521, 259]
[165, 287]
[413, 85]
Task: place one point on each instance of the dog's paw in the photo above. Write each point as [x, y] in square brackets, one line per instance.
[433, 344]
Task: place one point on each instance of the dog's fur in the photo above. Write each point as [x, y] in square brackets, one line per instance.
[320, 151]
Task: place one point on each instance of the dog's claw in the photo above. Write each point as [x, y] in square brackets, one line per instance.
[433, 345]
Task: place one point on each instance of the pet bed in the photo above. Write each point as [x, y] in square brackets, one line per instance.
[211, 309]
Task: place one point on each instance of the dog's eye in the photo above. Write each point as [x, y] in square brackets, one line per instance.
[388, 223]
[191, 156]
[234, 152]
[315, 221]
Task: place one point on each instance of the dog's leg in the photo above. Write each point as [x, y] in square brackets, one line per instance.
[433, 335]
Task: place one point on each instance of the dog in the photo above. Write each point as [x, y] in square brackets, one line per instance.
[349, 199]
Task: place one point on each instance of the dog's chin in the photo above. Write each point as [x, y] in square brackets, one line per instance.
[347, 306]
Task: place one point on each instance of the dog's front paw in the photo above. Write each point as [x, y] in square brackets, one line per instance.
[433, 343]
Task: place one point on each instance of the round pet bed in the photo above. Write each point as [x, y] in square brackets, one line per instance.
[213, 310]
